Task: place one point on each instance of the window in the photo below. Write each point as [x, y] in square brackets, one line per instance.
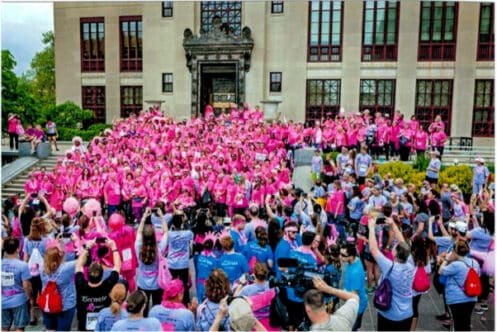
[230, 13]
[92, 44]
[131, 35]
[276, 7]
[275, 82]
[437, 31]
[131, 100]
[322, 99]
[434, 97]
[380, 25]
[325, 31]
[167, 9]
[483, 109]
[377, 96]
[167, 82]
[486, 32]
[94, 100]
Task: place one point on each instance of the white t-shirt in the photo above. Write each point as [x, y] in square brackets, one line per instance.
[342, 320]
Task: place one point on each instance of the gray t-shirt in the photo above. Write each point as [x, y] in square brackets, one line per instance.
[342, 320]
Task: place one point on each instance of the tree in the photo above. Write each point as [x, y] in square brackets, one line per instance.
[42, 73]
[9, 85]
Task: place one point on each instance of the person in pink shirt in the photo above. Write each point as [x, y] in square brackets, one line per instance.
[352, 137]
[46, 186]
[438, 139]
[436, 123]
[56, 199]
[420, 141]
[112, 194]
[394, 139]
[414, 124]
[126, 188]
[340, 139]
[335, 207]
[32, 186]
[13, 130]
[405, 140]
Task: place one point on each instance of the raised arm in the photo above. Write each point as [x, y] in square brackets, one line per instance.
[322, 286]
[269, 211]
[373, 244]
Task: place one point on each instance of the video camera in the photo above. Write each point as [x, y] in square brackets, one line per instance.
[301, 278]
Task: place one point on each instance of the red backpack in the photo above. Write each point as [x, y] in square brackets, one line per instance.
[50, 300]
[472, 285]
[421, 282]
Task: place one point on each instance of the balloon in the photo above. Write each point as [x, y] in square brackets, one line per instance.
[116, 221]
[90, 206]
[71, 206]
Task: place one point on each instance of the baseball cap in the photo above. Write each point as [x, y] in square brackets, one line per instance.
[461, 227]
[241, 315]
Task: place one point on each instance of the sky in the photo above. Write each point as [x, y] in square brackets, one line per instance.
[22, 26]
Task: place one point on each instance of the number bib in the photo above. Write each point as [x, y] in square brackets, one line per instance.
[91, 320]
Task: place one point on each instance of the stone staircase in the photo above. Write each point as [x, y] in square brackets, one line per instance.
[15, 186]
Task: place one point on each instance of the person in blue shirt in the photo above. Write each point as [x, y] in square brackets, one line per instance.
[304, 256]
[108, 316]
[205, 262]
[353, 279]
[401, 275]
[480, 175]
[259, 250]
[456, 266]
[237, 232]
[232, 263]
[16, 288]
[433, 170]
[135, 305]
[356, 206]
[217, 287]
[286, 244]
[363, 162]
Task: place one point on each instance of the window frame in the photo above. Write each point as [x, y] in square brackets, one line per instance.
[99, 109]
[478, 127]
[210, 13]
[377, 106]
[438, 50]
[330, 52]
[275, 81]
[485, 50]
[434, 110]
[130, 63]
[380, 51]
[135, 107]
[96, 64]
[318, 111]
[167, 6]
[167, 86]
[277, 7]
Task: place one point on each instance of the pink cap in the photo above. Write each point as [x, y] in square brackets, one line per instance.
[53, 244]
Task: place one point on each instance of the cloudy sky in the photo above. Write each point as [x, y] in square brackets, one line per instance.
[22, 26]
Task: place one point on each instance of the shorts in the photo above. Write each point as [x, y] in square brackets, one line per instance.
[368, 257]
[431, 180]
[17, 317]
[51, 135]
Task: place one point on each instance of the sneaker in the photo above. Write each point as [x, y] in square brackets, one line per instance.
[447, 326]
[442, 317]
[484, 306]
[479, 311]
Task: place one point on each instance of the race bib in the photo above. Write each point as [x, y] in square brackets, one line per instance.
[36, 201]
[8, 279]
[126, 264]
[91, 320]
[127, 254]
[363, 168]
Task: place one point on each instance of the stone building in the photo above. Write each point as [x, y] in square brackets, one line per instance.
[309, 58]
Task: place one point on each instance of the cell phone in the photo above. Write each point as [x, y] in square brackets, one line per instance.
[94, 213]
[154, 210]
[33, 195]
[66, 235]
[250, 278]
[100, 239]
[380, 220]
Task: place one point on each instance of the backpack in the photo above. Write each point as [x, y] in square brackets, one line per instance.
[472, 285]
[421, 282]
[50, 300]
[164, 276]
[34, 262]
[278, 313]
[383, 294]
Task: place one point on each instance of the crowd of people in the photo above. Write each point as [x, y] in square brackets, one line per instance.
[197, 226]
[34, 135]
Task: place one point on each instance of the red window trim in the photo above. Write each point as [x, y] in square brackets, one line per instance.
[490, 122]
[91, 65]
[443, 51]
[376, 107]
[486, 50]
[323, 108]
[129, 64]
[127, 109]
[331, 47]
[436, 110]
[99, 111]
[380, 52]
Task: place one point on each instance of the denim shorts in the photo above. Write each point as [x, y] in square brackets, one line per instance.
[59, 322]
[17, 317]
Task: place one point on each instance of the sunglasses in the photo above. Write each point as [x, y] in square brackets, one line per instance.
[292, 232]
[343, 255]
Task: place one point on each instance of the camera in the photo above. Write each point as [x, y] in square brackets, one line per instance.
[301, 278]
[380, 219]
[34, 195]
[154, 210]
[100, 239]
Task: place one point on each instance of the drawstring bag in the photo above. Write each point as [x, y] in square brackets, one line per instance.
[383, 294]
[421, 282]
[50, 300]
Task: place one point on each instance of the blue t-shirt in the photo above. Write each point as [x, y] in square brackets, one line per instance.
[434, 164]
[238, 244]
[444, 243]
[142, 324]
[262, 254]
[146, 276]
[358, 205]
[182, 319]
[456, 273]
[362, 163]
[14, 272]
[206, 314]
[401, 278]
[283, 250]
[304, 259]
[106, 319]
[29, 245]
[480, 239]
[480, 174]
[64, 278]
[203, 266]
[234, 265]
[353, 280]
[179, 249]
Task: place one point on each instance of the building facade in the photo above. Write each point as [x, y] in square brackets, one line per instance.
[312, 58]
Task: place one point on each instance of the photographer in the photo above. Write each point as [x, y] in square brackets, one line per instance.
[93, 295]
[341, 320]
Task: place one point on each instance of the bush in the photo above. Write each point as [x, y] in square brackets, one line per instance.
[333, 155]
[461, 175]
[69, 115]
[397, 169]
[421, 163]
[67, 134]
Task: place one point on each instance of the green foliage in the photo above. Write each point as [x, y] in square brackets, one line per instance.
[421, 163]
[333, 155]
[42, 72]
[69, 115]
[397, 169]
[67, 134]
[461, 175]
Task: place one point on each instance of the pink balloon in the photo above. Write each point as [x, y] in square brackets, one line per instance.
[71, 206]
[90, 206]
[116, 221]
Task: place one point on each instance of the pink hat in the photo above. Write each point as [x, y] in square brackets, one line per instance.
[173, 289]
[53, 244]
[237, 220]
